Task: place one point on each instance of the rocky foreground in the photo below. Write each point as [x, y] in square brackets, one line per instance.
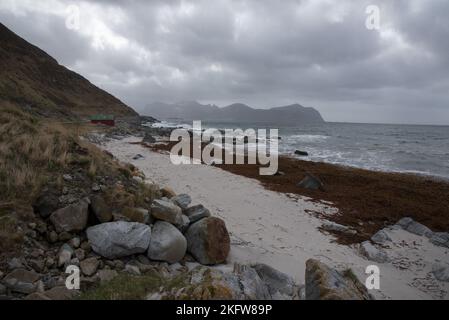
[170, 238]
[132, 239]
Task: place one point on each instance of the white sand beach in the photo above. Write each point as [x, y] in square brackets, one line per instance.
[279, 230]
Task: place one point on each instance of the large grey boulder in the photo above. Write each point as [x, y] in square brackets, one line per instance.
[276, 281]
[414, 227]
[167, 243]
[101, 210]
[197, 213]
[372, 253]
[182, 200]
[167, 211]
[208, 241]
[324, 283]
[119, 239]
[72, 218]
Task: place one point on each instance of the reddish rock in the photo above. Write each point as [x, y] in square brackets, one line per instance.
[208, 241]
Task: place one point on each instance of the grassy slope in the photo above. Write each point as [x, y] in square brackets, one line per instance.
[34, 154]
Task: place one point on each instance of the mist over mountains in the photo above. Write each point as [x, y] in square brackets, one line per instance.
[238, 112]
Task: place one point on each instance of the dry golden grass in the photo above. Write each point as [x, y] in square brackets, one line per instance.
[33, 150]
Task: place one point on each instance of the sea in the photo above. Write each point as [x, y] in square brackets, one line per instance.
[418, 149]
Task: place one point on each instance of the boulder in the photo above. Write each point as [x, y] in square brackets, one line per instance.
[208, 241]
[100, 209]
[206, 283]
[167, 243]
[72, 218]
[380, 237]
[15, 263]
[75, 242]
[440, 239]
[89, 266]
[324, 283]
[80, 254]
[46, 204]
[276, 281]
[441, 272]
[167, 192]
[65, 255]
[39, 296]
[252, 285]
[335, 227]
[148, 139]
[138, 157]
[21, 281]
[52, 236]
[2, 289]
[119, 239]
[372, 253]
[301, 153]
[167, 211]
[132, 269]
[140, 215]
[197, 213]
[414, 227]
[182, 201]
[60, 293]
[311, 182]
[64, 236]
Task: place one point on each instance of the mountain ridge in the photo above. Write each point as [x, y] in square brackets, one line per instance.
[291, 114]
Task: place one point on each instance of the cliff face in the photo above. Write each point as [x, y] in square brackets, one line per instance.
[289, 115]
[32, 79]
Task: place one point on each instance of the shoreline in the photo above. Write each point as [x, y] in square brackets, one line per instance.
[361, 195]
[278, 229]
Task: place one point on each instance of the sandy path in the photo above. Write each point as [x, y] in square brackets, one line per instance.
[275, 229]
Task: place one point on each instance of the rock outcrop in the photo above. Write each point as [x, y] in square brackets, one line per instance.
[324, 283]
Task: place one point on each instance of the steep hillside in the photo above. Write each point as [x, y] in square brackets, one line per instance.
[32, 79]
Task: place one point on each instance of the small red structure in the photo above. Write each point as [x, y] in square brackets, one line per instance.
[107, 120]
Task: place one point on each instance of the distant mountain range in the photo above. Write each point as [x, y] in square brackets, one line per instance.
[35, 81]
[238, 112]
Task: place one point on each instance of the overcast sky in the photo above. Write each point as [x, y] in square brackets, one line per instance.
[264, 53]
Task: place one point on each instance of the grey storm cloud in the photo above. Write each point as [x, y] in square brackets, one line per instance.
[264, 53]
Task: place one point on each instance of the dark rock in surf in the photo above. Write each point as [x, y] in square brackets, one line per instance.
[301, 153]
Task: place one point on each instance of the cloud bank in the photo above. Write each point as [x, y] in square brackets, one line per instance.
[261, 52]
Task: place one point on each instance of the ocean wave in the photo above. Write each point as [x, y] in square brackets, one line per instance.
[307, 138]
[165, 124]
